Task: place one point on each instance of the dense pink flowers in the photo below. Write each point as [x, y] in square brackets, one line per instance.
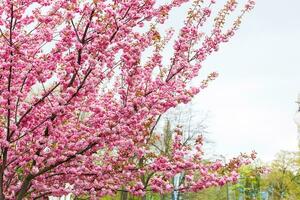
[79, 101]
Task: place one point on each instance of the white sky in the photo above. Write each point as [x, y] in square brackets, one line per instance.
[252, 103]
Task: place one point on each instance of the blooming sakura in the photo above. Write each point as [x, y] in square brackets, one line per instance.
[79, 101]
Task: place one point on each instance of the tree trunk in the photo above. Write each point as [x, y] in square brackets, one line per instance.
[124, 195]
[24, 187]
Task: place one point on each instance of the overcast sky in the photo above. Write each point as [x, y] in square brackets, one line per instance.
[252, 103]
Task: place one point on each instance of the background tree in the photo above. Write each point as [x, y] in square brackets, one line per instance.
[282, 178]
[193, 126]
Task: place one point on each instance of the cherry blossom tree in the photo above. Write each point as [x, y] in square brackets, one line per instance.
[79, 100]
